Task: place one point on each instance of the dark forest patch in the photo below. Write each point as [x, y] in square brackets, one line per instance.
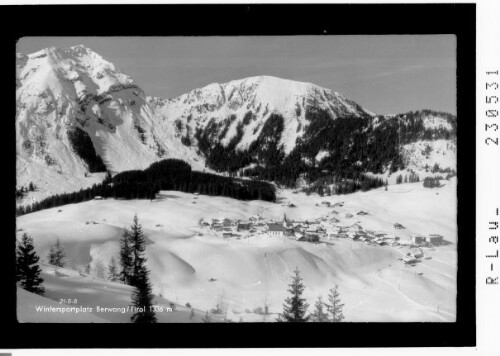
[84, 148]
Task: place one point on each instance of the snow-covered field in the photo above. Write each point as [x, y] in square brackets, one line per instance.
[97, 301]
[373, 283]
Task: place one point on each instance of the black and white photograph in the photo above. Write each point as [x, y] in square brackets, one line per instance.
[284, 177]
[236, 179]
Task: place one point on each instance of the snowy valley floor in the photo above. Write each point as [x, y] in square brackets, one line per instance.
[374, 284]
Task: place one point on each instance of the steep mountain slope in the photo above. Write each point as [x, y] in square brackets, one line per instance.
[278, 129]
[248, 103]
[77, 114]
[437, 145]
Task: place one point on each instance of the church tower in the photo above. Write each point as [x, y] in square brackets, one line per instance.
[285, 221]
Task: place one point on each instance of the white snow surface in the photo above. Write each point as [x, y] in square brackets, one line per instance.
[417, 155]
[321, 154]
[374, 284]
[436, 122]
[80, 290]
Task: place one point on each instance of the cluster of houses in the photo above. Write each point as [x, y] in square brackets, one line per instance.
[314, 230]
[230, 228]
[302, 231]
[310, 231]
[356, 232]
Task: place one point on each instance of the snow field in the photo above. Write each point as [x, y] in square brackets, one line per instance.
[374, 284]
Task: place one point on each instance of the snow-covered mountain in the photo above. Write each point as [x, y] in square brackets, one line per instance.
[263, 121]
[250, 102]
[79, 116]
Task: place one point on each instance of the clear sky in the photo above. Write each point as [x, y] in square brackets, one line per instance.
[384, 74]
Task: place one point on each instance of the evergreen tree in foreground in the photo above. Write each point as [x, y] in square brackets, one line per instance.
[126, 259]
[27, 269]
[142, 296]
[113, 273]
[207, 318]
[335, 306]
[295, 307]
[56, 254]
[320, 314]
[137, 245]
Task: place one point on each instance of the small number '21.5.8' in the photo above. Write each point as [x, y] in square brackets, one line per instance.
[491, 112]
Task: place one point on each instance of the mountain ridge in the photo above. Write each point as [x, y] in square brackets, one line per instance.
[78, 115]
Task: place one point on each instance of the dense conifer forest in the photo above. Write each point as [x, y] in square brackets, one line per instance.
[351, 146]
[170, 174]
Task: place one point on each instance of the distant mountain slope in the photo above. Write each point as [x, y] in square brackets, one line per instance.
[248, 103]
[277, 129]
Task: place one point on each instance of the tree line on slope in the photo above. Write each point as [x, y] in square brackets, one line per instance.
[227, 158]
[352, 145]
[24, 189]
[336, 185]
[432, 182]
[170, 174]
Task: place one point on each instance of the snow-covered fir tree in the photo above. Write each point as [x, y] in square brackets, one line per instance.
[335, 305]
[142, 296]
[320, 313]
[27, 268]
[207, 318]
[126, 258]
[56, 254]
[295, 307]
[113, 273]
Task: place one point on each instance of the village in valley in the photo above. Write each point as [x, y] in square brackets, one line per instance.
[391, 252]
[334, 225]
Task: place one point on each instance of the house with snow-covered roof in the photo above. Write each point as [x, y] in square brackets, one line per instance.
[276, 229]
[417, 239]
[311, 236]
[434, 239]
[243, 226]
